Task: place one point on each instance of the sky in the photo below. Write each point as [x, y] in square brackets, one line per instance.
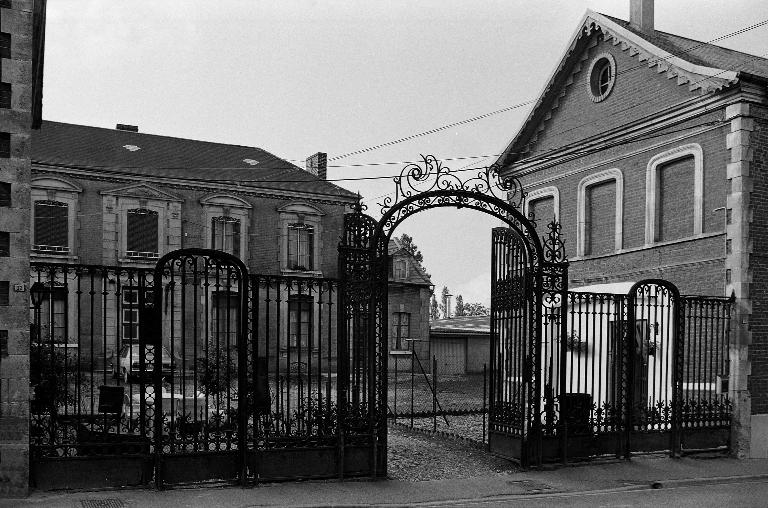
[298, 77]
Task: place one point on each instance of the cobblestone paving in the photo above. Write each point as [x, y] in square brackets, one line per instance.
[414, 456]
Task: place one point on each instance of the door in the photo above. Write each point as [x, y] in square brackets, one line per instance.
[451, 355]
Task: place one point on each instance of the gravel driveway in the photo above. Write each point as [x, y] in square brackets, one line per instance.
[414, 456]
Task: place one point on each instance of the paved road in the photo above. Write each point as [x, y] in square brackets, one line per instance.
[747, 494]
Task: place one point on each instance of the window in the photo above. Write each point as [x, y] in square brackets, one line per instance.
[136, 302]
[672, 211]
[53, 316]
[5, 45]
[5, 95]
[401, 269]
[300, 322]
[594, 209]
[5, 145]
[227, 219]
[5, 293]
[544, 203]
[142, 229]
[602, 76]
[301, 238]
[301, 247]
[5, 244]
[51, 226]
[401, 329]
[5, 194]
[600, 218]
[225, 235]
[225, 318]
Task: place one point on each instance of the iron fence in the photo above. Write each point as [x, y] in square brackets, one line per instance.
[434, 398]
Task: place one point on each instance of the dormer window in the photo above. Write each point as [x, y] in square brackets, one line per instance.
[400, 269]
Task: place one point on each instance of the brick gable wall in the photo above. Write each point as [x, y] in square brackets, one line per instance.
[638, 91]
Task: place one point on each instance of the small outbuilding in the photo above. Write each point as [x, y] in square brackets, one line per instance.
[461, 345]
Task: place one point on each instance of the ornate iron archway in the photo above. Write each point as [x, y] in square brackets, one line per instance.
[533, 267]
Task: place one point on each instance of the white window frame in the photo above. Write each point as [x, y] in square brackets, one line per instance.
[300, 213]
[51, 188]
[652, 191]
[543, 193]
[616, 175]
[227, 205]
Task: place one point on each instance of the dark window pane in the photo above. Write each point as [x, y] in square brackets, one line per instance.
[5, 45]
[51, 226]
[5, 145]
[300, 321]
[5, 244]
[5, 194]
[142, 232]
[5, 95]
[5, 288]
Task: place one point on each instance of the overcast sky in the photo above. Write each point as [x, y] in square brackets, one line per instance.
[297, 77]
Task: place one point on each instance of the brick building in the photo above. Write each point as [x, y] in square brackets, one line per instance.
[651, 148]
[22, 27]
[410, 290]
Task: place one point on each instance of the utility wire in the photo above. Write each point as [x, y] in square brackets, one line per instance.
[531, 101]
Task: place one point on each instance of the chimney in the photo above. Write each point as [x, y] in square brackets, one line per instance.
[129, 128]
[318, 165]
[641, 14]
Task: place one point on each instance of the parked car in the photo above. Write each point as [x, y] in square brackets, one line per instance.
[128, 365]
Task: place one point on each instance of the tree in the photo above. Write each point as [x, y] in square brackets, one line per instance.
[476, 309]
[407, 243]
[434, 310]
[459, 306]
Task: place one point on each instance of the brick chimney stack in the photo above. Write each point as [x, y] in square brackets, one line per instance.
[317, 164]
[641, 14]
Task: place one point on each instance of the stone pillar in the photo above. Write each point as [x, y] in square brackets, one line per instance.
[740, 231]
[16, 70]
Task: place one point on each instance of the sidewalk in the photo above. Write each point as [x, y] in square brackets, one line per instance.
[639, 473]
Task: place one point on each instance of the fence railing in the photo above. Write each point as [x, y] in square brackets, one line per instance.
[438, 399]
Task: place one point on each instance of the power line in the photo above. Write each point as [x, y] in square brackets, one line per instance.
[531, 101]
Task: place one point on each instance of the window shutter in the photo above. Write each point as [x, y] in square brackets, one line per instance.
[5, 194]
[236, 238]
[142, 231]
[51, 224]
[5, 244]
[5, 95]
[5, 45]
[5, 144]
[214, 245]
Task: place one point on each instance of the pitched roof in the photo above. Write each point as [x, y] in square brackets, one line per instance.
[696, 64]
[462, 325]
[123, 152]
[701, 53]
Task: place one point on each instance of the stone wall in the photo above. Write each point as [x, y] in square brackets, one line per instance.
[16, 120]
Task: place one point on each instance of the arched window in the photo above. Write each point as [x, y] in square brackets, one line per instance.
[599, 209]
[674, 194]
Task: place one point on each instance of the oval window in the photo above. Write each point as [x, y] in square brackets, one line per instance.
[602, 76]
